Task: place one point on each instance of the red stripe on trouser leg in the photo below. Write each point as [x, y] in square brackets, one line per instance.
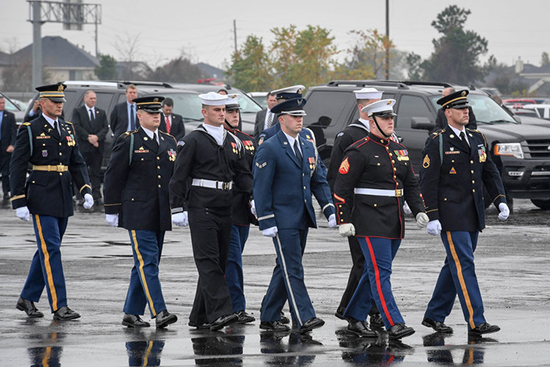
[378, 284]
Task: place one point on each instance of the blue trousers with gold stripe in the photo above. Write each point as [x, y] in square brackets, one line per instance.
[457, 276]
[46, 267]
[144, 281]
[379, 254]
[234, 267]
[287, 281]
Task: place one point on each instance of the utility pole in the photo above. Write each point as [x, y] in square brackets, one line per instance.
[235, 33]
[388, 39]
[72, 14]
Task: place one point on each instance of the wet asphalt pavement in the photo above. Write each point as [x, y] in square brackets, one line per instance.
[513, 268]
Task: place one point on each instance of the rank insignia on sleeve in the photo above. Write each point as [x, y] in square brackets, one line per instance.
[344, 167]
[426, 162]
[172, 155]
[261, 165]
[452, 171]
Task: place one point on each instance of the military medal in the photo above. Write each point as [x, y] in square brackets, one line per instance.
[172, 155]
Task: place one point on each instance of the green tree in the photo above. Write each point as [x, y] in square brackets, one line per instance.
[178, 70]
[250, 66]
[456, 53]
[544, 60]
[107, 68]
[415, 70]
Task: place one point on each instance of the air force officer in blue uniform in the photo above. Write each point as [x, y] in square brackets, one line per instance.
[285, 176]
[456, 165]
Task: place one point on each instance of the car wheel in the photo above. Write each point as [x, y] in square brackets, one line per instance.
[543, 204]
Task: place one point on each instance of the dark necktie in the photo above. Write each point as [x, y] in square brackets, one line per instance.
[297, 151]
[92, 118]
[270, 119]
[132, 118]
[464, 141]
[155, 141]
[56, 127]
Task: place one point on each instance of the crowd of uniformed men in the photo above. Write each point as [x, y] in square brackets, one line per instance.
[218, 180]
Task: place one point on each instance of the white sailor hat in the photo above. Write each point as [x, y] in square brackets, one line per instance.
[232, 102]
[289, 92]
[367, 93]
[213, 99]
[383, 108]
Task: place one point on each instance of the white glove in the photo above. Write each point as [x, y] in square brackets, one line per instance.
[253, 208]
[23, 213]
[270, 232]
[180, 219]
[422, 219]
[434, 227]
[346, 230]
[88, 201]
[504, 211]
[332, 221]
[112, 219]
[406, 208]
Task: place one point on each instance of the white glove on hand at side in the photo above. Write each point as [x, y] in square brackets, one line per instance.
[23, 213]
[406, 208]
[332, 221]
[180, 219]
[346, 229]
[88, 201]
[422, 219]
[112, 219]
[504, 211]
[253, 208]
[434, 227]
[270, 232]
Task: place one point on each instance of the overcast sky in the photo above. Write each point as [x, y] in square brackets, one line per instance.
[204, 29]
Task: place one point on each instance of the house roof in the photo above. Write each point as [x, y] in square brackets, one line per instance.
[57, 52]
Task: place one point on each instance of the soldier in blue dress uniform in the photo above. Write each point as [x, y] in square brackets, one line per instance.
[285, 177]
[374, 179]
[241, 216]
[47, 143]
[137, 198]
[456, 166]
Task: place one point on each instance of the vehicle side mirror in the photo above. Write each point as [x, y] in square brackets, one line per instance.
[422, 123]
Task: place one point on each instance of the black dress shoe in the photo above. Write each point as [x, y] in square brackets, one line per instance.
[165, 318]
[284, 319]
[275, 326]
[134, 321]
[223, 321]
[244, 318]
[399, 331]
[437, 326]
[360, 328]
[29, 308]
[65, 313]
[376, 321]
[311, 324]
[340, 313]
[484, 328]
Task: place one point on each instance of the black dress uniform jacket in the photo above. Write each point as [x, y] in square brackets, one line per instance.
[240, 208]
[47, 192]
[355, 131]
[376, 163]
[452, 179]
[137, 189]
[201, 157]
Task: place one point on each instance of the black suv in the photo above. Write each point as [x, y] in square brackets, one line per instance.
[520, 151]
[185, 96]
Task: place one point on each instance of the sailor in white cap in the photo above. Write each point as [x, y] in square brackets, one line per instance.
[358, 129]
[374, 179]
[210, 162]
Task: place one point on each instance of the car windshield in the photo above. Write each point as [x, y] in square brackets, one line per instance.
[9, 105]
[486, 110]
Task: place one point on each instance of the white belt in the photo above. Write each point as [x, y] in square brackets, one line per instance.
[378, 192]
[212, 184]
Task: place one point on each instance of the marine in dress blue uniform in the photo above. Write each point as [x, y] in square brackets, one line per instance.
[374, 179]
[353, 132]
[210, 161]
[285, 177]
[456, 165]
[48, 144]
[241, 216]
[137, 199]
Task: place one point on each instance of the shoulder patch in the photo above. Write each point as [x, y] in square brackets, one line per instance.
[340, 134]
[261, 140]
[181, 143]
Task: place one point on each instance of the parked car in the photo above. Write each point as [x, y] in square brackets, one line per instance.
[14, 108]
[542, 110]
[520, 151]
[259, 97]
